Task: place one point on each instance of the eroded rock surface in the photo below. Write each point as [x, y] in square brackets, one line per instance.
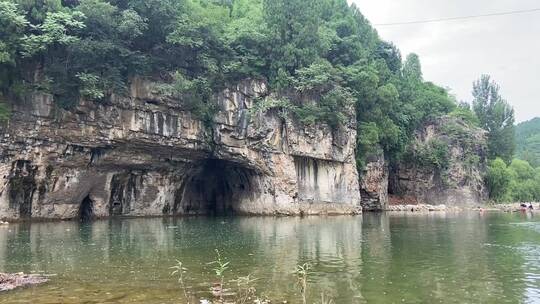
[374, 183]
[143, 154]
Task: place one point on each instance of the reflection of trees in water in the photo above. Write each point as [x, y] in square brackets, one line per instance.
[376, 246]
[508, 263]
[438, 257]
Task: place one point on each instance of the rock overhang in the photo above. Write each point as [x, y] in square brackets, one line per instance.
[150, 146]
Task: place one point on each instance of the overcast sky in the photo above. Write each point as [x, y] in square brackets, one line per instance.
[455, 53]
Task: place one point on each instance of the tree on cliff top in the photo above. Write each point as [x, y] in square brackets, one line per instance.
[496, 116]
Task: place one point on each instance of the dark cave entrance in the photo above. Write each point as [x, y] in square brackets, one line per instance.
[86, 210]
[216, 187]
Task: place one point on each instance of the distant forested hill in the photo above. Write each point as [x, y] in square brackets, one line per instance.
[528, 141]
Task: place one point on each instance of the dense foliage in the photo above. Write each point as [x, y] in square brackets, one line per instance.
[508, 179]
[321, 58]
[517, 182]
[528, 141]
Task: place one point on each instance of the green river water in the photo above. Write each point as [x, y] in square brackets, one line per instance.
[374, 258]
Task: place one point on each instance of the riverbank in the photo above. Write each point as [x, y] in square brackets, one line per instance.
[514, 207]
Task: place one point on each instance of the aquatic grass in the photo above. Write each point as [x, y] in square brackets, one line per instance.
[246, 290]
[302, 272]
[179, 271]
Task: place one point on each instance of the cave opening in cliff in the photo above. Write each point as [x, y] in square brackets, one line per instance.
[215, 187]
[86, 210]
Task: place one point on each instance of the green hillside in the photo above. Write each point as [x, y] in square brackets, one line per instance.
[528, 141]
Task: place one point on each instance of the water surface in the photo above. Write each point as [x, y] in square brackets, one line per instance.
[374, 258]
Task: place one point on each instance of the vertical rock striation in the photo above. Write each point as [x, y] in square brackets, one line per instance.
[146, 155]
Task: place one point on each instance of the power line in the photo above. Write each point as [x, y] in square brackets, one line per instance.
[460, 17]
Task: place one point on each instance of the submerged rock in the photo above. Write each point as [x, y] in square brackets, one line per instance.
[10, 281]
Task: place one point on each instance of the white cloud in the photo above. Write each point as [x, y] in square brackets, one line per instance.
[455, 53]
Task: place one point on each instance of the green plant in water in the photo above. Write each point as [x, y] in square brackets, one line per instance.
[220, 268]
[302, 273]
[179, 270]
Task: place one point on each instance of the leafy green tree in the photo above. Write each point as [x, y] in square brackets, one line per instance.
[522, 186]
[12, 29]
[391, 56]
[519, 182]
[521, 170]
[498, 180]
[537, 185]
[13, 25]
[246, 35]
[528, 141]
[36, 10]
[496, 116]
[293, 27]
[412, 69]
[57, 28]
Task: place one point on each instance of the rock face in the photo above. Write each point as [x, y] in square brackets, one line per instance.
[458, 181]
[374, 183]
[145, 155]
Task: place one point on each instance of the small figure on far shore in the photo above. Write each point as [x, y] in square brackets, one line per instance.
[531, 206]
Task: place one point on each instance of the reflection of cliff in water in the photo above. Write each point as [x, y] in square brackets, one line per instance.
[376, 258]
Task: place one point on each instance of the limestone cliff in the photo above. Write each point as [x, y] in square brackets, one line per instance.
[143, 154]
[374, 183]
[445, 165]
